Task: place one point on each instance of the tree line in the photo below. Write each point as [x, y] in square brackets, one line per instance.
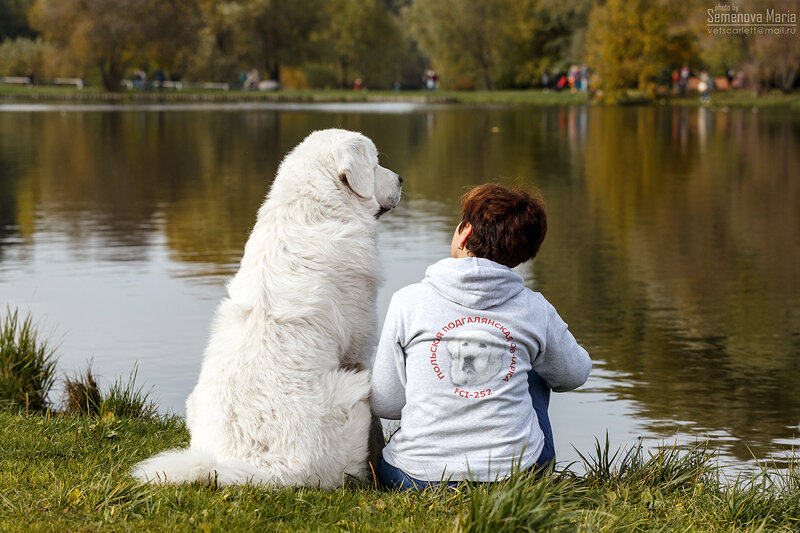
[485, 44]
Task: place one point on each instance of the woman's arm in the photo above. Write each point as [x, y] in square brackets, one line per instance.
[389, 370]
[563, 363]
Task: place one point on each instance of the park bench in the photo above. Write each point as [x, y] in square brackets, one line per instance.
[19, 80]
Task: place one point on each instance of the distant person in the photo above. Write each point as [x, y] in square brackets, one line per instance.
[251, 80]
[572, 76]
[545, 80]
[467, 357]
[683, 82]
[357, 84]
[139, 79]
[160, 78]
[739, 82]
[583, 76]
[704, 87]
[430, 79]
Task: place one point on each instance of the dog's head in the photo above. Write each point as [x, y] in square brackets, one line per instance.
[475, 356]
[356, 160]
[340, 162]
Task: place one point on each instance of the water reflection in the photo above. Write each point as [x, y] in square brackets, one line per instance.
[673, 247]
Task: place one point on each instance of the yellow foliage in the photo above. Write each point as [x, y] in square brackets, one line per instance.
[293, 78]
[629, 42]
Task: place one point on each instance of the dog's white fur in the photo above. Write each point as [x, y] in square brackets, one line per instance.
[283, 397]
[475, 357]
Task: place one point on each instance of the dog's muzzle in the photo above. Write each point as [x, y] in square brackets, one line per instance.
[384, 209]
[469, 364]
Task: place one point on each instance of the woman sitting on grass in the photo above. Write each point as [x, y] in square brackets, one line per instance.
[468, 356]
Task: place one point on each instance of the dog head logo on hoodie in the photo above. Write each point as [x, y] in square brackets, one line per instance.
[476, 356]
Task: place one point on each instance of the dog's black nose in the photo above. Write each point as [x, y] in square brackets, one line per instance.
[469, 363]
[400, 178]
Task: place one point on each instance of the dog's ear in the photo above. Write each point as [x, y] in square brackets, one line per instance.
[454, 347]
[354, 167]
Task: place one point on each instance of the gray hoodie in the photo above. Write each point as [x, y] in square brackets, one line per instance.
[452, 365]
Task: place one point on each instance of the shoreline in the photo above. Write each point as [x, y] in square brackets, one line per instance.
[70, 473]
[38, 94]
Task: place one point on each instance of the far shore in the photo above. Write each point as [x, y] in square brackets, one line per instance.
[9, 93]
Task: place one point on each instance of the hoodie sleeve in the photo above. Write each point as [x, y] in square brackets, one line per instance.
[562, 362]
[388, 394]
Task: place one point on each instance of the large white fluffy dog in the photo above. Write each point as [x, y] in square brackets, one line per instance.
[283, 397]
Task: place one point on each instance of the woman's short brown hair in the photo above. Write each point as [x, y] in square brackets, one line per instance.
[508, 223]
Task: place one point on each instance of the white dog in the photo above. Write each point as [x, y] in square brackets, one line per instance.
[283, 397]
[475, 357]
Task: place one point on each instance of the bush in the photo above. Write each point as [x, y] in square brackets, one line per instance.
[124, 399]
[27, 373]
[320, 77]
[27, 365]
[20, 56]
[82, 396]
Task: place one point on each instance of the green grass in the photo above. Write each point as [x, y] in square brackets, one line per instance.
[27, 364]
[509, 97]
[82, 396]
[69, 473]
[774, 99]
[46, 93]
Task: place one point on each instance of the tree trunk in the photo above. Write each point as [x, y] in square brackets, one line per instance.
[786, 78]
[274, 71]
[344, 74]
[487, 80]
[111, 73]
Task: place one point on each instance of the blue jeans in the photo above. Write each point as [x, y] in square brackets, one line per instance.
[393, 478]
[540, 396]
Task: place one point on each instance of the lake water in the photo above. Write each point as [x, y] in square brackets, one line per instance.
[672, 252]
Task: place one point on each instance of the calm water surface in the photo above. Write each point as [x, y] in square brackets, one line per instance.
[673, 245]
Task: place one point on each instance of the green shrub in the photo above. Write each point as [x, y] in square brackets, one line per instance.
[27, 365]
[320, 77]
[82, 396]
[124, 399]
[21, 56]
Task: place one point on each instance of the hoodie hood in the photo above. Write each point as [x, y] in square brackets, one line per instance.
[473, 282]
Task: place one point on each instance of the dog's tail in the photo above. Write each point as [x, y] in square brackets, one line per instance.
[190, 464]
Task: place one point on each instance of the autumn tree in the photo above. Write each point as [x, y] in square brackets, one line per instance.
[112, 36]
[538, 36]
[771, 60]
[499, 43]
[629, 42]
[460, 37]
[766, 59]
[263, 34]
[14, 19]
[361, 38]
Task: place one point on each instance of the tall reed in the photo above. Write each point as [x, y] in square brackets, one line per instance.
[123, 398]
[27, 365]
